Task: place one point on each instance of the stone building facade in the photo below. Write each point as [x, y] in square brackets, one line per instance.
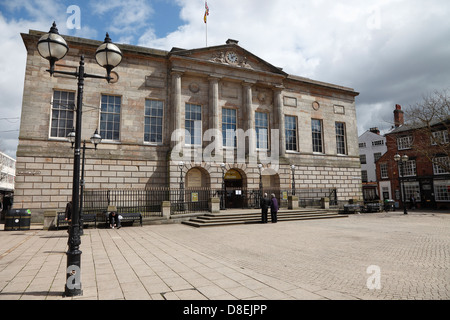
[202, 107]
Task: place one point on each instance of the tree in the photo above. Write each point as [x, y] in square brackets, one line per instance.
[430, 120]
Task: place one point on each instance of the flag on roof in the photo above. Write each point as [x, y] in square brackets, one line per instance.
[206, 11]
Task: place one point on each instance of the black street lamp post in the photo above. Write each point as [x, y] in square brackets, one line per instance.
[53, 47]
[260, 185]
[402, 160]
[95, 140]
[182, 195]
[293, 179]
[222, 197]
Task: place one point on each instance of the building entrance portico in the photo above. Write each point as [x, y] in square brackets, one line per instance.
[234, 183]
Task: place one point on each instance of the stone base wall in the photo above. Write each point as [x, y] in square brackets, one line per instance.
[45, 183]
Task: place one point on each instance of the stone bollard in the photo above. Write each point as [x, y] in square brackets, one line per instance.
[292, 202]
[50, 217]
[214, 205]
[325, 203]
[165, 209]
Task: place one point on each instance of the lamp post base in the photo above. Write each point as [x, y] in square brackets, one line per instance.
[73, 274]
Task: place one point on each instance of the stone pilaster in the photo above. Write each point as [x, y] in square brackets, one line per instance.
[278, 106]
[176, 100]
[215, 112]
[248, 107]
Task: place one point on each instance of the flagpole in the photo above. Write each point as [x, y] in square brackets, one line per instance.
[206, 20]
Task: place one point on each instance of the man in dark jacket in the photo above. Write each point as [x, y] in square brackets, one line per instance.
[114, 220]
[68, 213]
[273, 208]
[264, 208]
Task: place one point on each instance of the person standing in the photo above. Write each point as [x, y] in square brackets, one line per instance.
[264, 207]
[273, 208]
[68, 213]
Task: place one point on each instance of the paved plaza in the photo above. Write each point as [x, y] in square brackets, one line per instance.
[382, 256]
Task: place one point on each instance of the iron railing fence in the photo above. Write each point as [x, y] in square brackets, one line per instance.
[193, 200]
[190, 200]
[148, 202]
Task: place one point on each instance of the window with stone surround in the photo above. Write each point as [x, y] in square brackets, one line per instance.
[341, 147]
[376, 156]
[229, 123]
[441, 190]
[63, 106]
[262, 130]
[110, 117]
[384, 171]
[412, 189]
[409, 168]
[317, 135]
[404, 142]
[439, 137]
[153, 128]
[193, 124]
[290, 124]
[439, 164]
[364, 176]
[362, 159]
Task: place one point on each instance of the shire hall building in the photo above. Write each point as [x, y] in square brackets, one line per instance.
[183, 126]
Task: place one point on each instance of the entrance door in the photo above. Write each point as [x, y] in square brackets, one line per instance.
[233, 187]
[427, 197]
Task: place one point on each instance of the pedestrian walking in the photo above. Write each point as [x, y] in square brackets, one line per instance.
[273, 208]
[265, 202]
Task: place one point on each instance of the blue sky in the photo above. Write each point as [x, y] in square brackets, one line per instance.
[122, 19]
[391, 51]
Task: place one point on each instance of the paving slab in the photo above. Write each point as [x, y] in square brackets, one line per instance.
[378, 256]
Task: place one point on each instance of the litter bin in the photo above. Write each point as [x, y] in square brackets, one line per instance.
[18, 219]
[389, 205]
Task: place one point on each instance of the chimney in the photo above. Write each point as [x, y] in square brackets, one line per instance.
[398, 116]
[375, 130]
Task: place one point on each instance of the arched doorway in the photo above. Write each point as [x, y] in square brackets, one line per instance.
[197, 192]
[197, 178]
[234, 183]
[270, 179]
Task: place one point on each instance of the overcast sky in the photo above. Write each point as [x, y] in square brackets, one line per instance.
[391, 51]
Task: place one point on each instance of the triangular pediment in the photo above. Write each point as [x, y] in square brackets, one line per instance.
[230, 54]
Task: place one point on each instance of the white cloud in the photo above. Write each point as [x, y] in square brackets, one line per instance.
[126, 17]
[12, 69]
[391, 51]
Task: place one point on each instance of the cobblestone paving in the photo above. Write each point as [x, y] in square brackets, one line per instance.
[297, 260]
[412, 252]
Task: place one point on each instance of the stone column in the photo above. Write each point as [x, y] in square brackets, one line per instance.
[278, 104]
[214, 101]
[215, 119]
[176, 101]
[248, 107]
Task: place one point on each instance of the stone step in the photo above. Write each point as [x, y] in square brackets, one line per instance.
[221, 219]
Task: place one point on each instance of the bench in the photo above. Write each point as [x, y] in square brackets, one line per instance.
[127, 216]
[87, 217]
[352, 208]
[372, 207]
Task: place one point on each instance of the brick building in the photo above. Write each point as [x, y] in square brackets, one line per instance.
[423, 178]
[167, 107]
